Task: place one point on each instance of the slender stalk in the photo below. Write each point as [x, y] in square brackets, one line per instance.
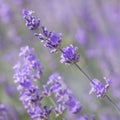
[52, 101]
[112, 102]
[81, 70]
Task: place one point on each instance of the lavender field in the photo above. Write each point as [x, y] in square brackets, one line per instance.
[59, 59]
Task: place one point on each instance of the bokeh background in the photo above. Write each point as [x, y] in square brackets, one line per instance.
[91, 25]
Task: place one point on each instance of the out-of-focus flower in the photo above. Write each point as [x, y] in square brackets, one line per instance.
[31, 21]
[6, 13]
[25, 74]
[99, 88]
[20, 2]
[87, 117]
[108, 114]
[8, 113]
[3, 112]
[64, 97]
[69, 55]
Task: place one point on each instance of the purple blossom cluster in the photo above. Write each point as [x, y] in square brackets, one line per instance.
[69, 55]
[51, 40]
[64, 97]
[25, 74]
[99, 88]
[32, 96]
[31, 22]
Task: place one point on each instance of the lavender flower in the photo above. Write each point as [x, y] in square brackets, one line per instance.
[64, 97]
[87, 117]
[99, 88]
[52, 40]
[3, 112]
[69, 55]
[31, 22]
[32, 61]
[6, 13]
[73, 104]
[30, 94]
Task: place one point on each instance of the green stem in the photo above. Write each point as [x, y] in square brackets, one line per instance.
[112, 102]
[81, 70]
[52, 101]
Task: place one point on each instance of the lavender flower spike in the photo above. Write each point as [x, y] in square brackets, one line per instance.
[99, 88]
[31, 22]
[52, 40]
[65, 98]
[69, 55]
[26, 72]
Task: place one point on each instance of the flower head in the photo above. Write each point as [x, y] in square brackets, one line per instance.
[99, 88]
[31, 22]
[51, 40]
[64, 97]
[69, 55]
[26, 72]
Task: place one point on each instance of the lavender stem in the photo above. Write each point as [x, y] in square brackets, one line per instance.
[112, 102]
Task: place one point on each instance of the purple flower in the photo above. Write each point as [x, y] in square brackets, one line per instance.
[32, 63]
[99, 88]
[26, 72]
[40, 113]
[31, 22]
[3, 112]
[52, 40]
[87, 117]
[73, 104]
[69, 55]
[6, 13]
[60, 109]
[64, 97]
[45, 32]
